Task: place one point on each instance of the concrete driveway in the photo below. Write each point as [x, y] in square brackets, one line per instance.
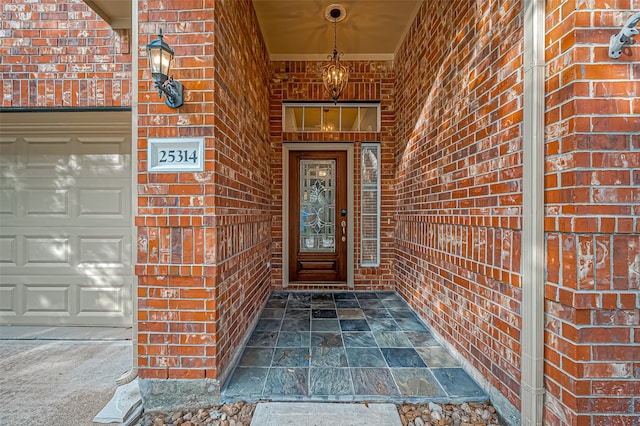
[59, 375]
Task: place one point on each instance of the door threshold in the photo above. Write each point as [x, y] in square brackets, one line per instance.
[315, 285]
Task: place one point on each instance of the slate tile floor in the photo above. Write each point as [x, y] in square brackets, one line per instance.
[346, 346]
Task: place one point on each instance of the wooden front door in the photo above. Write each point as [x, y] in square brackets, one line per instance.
[318, 216]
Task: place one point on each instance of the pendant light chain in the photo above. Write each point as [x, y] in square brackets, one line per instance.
[334, 75]
[335, 37]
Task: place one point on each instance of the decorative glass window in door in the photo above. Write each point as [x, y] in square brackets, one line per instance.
[317, 205]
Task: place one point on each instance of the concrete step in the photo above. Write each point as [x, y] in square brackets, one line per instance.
[324, 414]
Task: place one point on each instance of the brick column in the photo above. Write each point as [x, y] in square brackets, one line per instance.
[176, 243]
[202, 237]
[592, 228]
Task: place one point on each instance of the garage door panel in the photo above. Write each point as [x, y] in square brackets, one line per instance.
[8, 299]
[65, 202]
[72, 299]
[103, 251]
[77, 156]
[92, 251]
[8, 147]
[104, 154]
[96, 201]
[8, 203]
[46, 252]
[8, 251]
[96, 300]
[47, 202]
[48, 153]
[46, 298]
[38, 199]
[66, 218]
[101, 203]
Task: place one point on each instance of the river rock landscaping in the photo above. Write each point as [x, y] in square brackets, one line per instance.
[240, 414]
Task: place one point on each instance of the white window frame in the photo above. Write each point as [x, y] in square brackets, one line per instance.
[369, 187]
[304, 105]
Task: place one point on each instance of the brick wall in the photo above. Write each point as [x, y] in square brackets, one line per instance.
[61, 54]
[368, 81]
[459, 174]
[592, 180]
[451, 180]
[243, 176]
[203, 238]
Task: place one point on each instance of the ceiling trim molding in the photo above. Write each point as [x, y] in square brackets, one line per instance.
[323, 57]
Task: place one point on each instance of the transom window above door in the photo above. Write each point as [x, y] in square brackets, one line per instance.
[327, 117]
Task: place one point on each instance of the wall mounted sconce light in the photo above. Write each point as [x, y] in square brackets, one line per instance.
[160, 58]
[624, 37]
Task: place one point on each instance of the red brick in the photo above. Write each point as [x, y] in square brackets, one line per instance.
[620, 370]
[609, 405]
[183, 373]
[615, 352]
[603, 335]
[152, 373]
[613, 420]
[615, 387]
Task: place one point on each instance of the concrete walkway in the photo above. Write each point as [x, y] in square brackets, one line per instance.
[324, 414]
[59, 375]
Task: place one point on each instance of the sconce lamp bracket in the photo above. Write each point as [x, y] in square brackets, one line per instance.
[173, 91]
[624, 37]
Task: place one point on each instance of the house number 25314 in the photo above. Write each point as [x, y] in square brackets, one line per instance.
[175, 155]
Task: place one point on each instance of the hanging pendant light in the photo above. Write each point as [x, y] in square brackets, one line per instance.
[335, 75]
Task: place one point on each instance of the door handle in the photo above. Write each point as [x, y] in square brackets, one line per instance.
[344, 230]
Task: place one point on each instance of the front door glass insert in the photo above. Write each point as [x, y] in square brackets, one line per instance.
[317, 205]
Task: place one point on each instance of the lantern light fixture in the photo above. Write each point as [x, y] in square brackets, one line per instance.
[160, 58]
[335, 75]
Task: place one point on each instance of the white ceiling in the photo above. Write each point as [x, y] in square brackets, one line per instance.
[298, 29]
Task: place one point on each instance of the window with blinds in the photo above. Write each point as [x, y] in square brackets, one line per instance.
[370, 209]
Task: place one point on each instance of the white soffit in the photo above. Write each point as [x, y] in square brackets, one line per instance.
[116, 13]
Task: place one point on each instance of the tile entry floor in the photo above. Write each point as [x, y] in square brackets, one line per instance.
[346, 346]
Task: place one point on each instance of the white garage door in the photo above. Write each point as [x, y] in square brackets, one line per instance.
[65, 217]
